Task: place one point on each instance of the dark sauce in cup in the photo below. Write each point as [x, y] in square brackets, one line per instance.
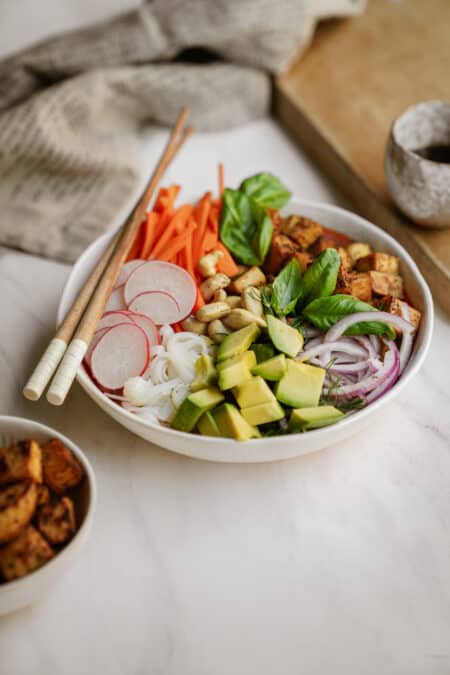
[435, 153]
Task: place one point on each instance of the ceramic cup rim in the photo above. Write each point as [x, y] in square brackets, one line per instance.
[416, 108]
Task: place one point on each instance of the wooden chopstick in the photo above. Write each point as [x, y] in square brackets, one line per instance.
[90, 303]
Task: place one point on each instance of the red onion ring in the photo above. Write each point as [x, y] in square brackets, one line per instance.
[407, 338]
[339, 328]
[353, 350]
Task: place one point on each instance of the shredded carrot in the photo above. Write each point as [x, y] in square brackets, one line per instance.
[178, 244]
[201, 212]
[226, 265]
[178, 221]
[221, 180]
[136, 246]
[149, 233]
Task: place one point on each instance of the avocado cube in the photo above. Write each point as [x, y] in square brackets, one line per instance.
[247, 357]
[263, 413]
[205, 373]
[194, 406]
[285, 338]
[263, 352]
[207, 426]
[231, 424]
[238, 342]
[252, 392]
[314, 418]
[273, 369]
[233, 375]
[301, 386]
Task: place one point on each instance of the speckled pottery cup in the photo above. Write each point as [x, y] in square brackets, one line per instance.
[420, 187]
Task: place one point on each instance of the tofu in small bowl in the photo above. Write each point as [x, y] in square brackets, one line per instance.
[47, 504]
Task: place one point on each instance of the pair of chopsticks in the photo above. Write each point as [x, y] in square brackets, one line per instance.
[72, 339]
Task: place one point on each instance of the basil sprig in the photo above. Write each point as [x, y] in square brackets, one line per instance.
[287, 288]
[325, 312]
[266, 190]
[320, 278]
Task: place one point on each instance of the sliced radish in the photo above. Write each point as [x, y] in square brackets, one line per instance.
[97, 335]
[160, 306]
[122, 352]
[163, 277]
[116, 300]
[148, 326]
[126, 270]
[112, 318]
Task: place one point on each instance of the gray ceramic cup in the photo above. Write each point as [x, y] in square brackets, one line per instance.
[420, 187]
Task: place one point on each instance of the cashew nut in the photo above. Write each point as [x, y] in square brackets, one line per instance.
[239, 318]
[220, 296]
[253, 277]
[207, 265]
[213, 284]
[234, 301]
[193, 325]
[251, 300]
[217, 331]
[215, 310]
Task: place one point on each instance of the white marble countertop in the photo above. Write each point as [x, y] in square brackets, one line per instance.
[338, 562]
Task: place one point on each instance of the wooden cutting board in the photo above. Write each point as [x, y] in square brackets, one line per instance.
[340, 98]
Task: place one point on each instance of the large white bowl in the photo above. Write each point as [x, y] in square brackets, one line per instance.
[27, 590]
[270, 449]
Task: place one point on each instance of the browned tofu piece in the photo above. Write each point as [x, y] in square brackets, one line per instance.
[394, 306]
[24, 554]
[17, 506]
[346, 261]
[302, 230]
[281, 251]
[21, 461]
[386, 284]
[361, 286]
[43, 494]
[304, 259]
[358, 250]
[56, 520]
[62, 470]
[321, 244]
[379, 262]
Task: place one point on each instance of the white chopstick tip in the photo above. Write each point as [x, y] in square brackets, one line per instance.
[44, 370]
[31, 393]
[66, 372]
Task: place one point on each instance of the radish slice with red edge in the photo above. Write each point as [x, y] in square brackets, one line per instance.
[163, 277]
[122, 352]
[126, 270]
[112, 318]
[116, 300]
[158, 305]
[148, 326]
[96, 337]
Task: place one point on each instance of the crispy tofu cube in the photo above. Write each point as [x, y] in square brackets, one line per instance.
[361, 286]
[281, 251]
[43, 494]
[62, 470]
[379, 262]
[21, 461]
[304, 259]
[24, 554]
[386, 284]
[394, 306]
[346, 261]
[302, 230]
[358, 250]
[17, 506]
[321, 244]
[56, 520]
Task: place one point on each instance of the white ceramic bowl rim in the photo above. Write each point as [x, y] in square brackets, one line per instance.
[412, 368]
[11, 586]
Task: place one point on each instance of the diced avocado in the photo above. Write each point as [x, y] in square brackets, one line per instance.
[237, 342]
[263, 352]
[205, 373]
[233, 375]
[313, 418]
[273, 369]
[194, 406]
[247, 357]
[207, 425]
[285, 338]
[252, 392]
[263, 413]
[231, 424]
[301, 386]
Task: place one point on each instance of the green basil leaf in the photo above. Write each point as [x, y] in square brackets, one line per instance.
[237, 226]
[266, 190]
[325, 312]
[287, 288]
[320, 278]
[263, 233]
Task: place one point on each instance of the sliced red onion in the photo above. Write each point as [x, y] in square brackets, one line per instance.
[376, 344]
[351, 349]
[407, 338]
[366, 343]
[311, 332]
[389, 371]
[352, 368]
[339, 328]
[389, 380]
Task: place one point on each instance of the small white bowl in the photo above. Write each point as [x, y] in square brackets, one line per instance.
[22, 592]
[282, 447]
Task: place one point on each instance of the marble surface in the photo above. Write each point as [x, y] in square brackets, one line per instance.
[338, 562]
